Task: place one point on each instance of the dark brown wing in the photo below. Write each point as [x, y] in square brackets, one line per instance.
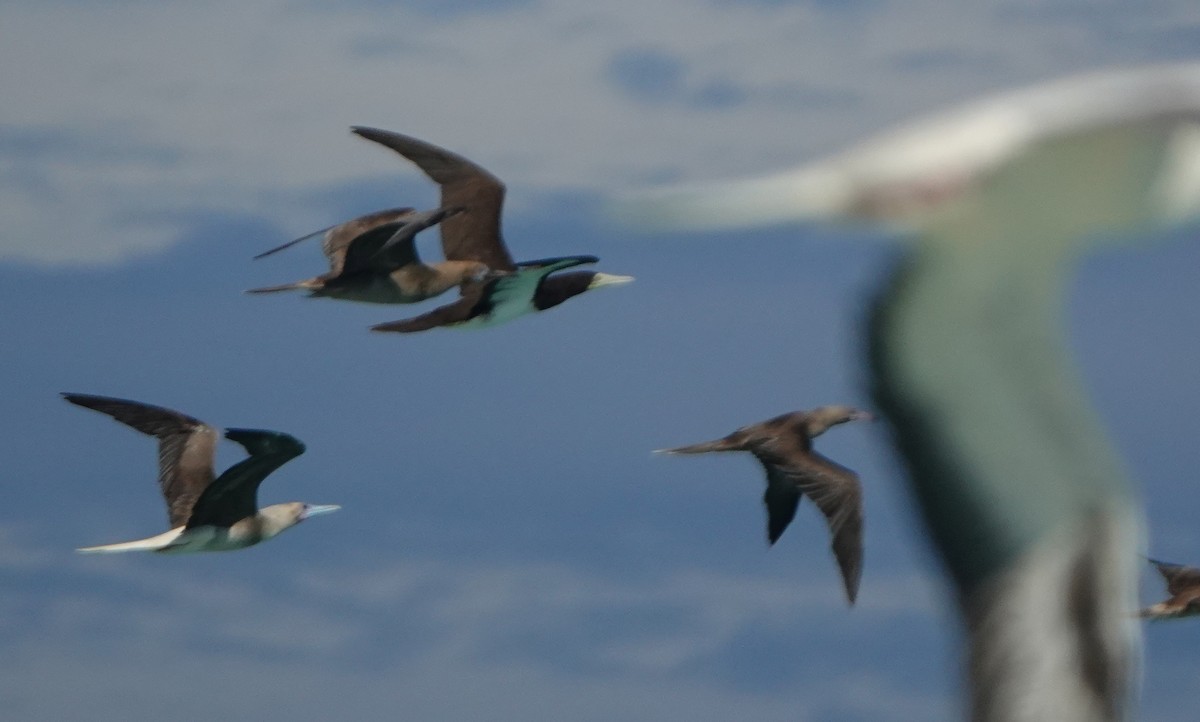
[838, 494]
[185, 448]
[330, 245]
[471, 236]
[338, 239]
[398, 249]
[469, 305]
[1179, 578]
[361, 254]
[234, 494]
[781, 498]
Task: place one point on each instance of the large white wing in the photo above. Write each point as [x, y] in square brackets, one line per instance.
[915, 175]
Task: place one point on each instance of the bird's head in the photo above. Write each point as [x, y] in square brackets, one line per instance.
[599, 280]
[279, 517]
[820, 419]
[561, 286]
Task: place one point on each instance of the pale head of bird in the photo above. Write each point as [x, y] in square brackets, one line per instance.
[821, 418]
[607, 279]
[561, 286]
[278, 517]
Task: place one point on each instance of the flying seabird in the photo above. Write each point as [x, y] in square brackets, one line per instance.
[783, 445]
[1183, 584]
[475, 236]
[206, 513]
[373, 259]
[1020, 490]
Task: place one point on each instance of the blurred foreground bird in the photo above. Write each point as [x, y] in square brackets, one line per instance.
[207, 513]
[373, 259]
[1020, 489]
[475, 236]
[1183, 586]
[783, 445]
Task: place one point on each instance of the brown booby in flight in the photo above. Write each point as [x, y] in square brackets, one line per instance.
[783, 445]
[475, 236]
[1183, 584]
[207, 513]
[373, 259]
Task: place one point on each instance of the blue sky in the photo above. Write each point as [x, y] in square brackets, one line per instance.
[508, 548]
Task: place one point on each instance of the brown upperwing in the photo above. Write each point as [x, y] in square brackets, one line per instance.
[470, 236]
[337, 240]
[330, 245]
[1179, 578]
[450, 314]
[185, 448]
[793, 469]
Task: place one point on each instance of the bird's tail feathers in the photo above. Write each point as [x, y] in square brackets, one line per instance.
[1155, 611]
[297, 286]
[153, 543]
[702, 448]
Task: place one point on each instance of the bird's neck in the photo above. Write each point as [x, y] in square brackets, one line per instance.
[261, 526]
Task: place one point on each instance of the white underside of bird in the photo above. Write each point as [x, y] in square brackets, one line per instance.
[178, 540]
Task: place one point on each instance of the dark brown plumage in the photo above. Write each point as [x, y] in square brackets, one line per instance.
[373, 259]
[783, 445]
[1183, 586]
[474, 235]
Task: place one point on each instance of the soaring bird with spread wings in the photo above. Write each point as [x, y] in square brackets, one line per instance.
[783, 445]
[206, 512]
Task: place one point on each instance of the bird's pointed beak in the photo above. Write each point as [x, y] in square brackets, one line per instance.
[318, 509]
[608, 279]
[862, 416]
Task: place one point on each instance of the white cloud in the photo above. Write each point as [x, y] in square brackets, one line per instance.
[256, 97]
[440, 638]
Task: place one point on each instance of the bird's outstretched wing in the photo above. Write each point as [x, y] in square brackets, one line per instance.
[387, 252]
[1178, 577]
[336, 238]
[474, 235]
[470, 304]
[234, 494]
[837, 492]
[185, 447]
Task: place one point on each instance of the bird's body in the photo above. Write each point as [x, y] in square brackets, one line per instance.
[206, 513]
[475, 237]
[373, 259]
[1183, 586]
[783, 445]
